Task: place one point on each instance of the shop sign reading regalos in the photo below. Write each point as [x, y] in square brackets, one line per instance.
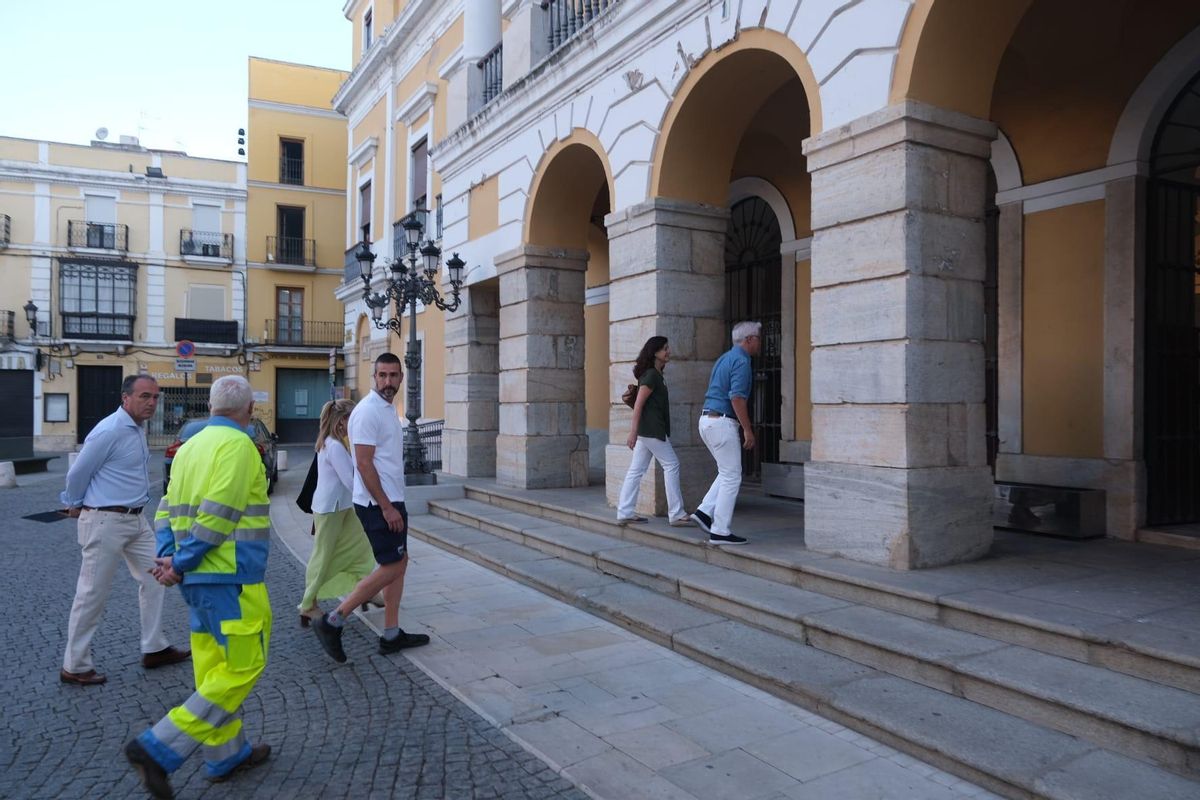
[165, 373]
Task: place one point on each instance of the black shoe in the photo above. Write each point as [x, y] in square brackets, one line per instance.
[404, 640]
[703, 520]
[258, 754]
[153, 776]
[729, 538]
[330, 637]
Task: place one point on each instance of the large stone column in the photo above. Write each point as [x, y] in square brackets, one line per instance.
[667, 278]
[472, 367]
[543, 439]
[899, 475]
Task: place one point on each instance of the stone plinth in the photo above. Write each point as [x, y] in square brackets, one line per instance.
[899, 475]
[667, 273]
[472, 384]
[543, 439]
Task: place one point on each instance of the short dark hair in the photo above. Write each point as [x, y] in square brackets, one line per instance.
[128, 384]
[387, 358]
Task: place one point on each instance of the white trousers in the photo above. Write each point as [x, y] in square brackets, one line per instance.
[107, 538]
[642, 452]
[720, 435]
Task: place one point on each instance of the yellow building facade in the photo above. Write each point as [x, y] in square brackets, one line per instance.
[295, 224]
[111, 254]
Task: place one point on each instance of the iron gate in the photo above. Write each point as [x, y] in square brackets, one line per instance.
[175, 404]
[1172, 378]
[753, 283]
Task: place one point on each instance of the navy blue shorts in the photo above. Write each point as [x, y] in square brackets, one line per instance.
[388, 547]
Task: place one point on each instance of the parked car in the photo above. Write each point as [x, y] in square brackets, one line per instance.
[264, 440]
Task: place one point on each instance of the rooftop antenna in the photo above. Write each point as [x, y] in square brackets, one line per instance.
[101, 133]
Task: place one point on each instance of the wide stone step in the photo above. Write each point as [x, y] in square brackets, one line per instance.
[949, 600]
[1002, 751]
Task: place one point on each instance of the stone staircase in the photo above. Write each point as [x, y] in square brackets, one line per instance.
[1021, 704]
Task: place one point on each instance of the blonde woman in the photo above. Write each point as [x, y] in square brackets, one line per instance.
[341, 554]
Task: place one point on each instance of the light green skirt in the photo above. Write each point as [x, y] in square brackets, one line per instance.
[341, 557]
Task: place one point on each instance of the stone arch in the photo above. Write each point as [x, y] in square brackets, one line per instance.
[743, 188]
[1005, 164]
[771, 59]
[1134, 134]
[556, 205]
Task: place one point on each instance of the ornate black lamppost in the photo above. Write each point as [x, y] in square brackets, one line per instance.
[411, 280]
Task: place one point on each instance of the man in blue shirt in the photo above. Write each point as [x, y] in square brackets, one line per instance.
[724, 411]
[106, 489]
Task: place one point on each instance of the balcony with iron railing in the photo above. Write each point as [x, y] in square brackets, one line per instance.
[297, 332]
[492, 67]
[566, 18]
[98, 235]
[5, 230]
[207, 331]
[205, 244]
[8, 326]
[292, 250]
[291, 170]
[351, 271]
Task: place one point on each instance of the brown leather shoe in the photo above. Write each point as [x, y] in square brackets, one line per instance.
[89, 678]
[258, 754]
[168, 655]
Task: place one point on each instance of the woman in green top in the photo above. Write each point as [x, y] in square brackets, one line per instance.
[651, 435]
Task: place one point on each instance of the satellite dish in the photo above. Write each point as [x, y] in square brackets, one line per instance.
[102, 133]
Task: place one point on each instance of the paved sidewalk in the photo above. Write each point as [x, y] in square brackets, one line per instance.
[375, 728]
[615, 714]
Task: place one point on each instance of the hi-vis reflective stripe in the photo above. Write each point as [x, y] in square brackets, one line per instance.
[216, 753]
[206, 711]
[183, 511]
[216, 538]
[219, 510]
[170, 735]
[257, 511]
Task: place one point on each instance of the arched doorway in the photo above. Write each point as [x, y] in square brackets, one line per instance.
[1172, 333]
[753, 288]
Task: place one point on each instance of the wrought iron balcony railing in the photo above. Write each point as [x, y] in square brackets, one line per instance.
[100, 235]
[568, 17]
[292, 250]
[209, 331]
[291, 170]
[297, 332]
[5, 230]
[431, 437]
[206, 243]
[492, 66]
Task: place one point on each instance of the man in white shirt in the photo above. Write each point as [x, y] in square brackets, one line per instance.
[378, 441]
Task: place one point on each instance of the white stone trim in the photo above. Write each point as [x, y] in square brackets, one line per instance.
[349, 8]
[293, 108]
[389, 168]
[287, 187]
[451, 64]
[744, 188]
[799, 249]
[365, 151]
[597, 295]
[1082, 187]
[417, 104]
[1133, 137]
[1005, 165]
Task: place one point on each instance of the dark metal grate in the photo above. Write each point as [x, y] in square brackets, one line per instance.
[492, 65]
[752, 292]
[99, 235]
[431, 437]
[208, 244]
[568, 17]
[292, 250]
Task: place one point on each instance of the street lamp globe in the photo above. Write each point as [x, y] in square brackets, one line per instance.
[31, 314]
[366, 261]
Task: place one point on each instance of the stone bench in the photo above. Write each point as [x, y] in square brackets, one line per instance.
[27, 465]
[1065, 511]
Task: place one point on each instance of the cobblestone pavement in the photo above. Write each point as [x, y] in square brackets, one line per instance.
[375, 727]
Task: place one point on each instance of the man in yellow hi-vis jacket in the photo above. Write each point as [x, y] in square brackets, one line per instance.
[213, 529]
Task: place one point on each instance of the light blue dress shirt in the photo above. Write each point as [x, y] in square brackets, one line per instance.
[731, 377]
[112, 469]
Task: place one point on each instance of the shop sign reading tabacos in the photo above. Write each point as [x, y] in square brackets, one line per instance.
[164, 371]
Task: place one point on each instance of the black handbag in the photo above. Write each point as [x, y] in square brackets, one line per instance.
[304, 499]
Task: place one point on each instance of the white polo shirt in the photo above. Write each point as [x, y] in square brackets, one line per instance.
[374, 422]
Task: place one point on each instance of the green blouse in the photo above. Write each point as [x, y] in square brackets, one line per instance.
[656, 413]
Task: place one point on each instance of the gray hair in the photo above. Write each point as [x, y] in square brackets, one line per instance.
[746, 329]
[230, 394]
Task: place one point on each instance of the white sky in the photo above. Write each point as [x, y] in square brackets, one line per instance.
[169, 71]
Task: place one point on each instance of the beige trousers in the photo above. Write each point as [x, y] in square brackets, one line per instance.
[107, 538]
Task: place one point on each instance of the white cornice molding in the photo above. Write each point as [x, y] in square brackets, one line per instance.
[29, 172]
[292, 108]
[349, 8]
[397, 45]
[451, 64]
[416, 105]
[364, 152]
[291, 187]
